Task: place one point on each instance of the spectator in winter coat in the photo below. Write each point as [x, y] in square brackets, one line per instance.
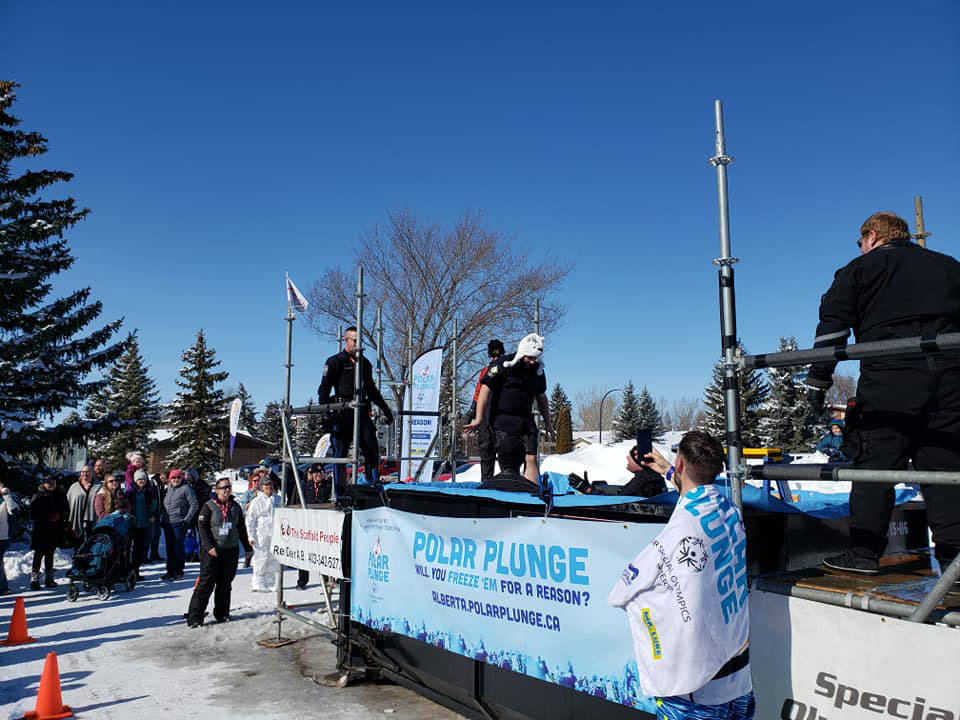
[260, 533]
[144, 505]
[50, 512]
[156, 482]
[100, 470]
[80, 497]
[202, 493]
[135, 462]
[8, 506]
[222, 531]
[180, 512]
[111, 497]
[831, 444]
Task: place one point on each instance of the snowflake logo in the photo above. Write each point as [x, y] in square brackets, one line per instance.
[692, 553]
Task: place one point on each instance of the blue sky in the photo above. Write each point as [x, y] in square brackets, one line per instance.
[220, 144]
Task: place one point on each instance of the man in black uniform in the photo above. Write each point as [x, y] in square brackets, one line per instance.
[337, 386]
[486, 439]
[905, 408]
[509, 389]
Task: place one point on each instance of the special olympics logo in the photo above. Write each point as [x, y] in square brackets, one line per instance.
[692, 553]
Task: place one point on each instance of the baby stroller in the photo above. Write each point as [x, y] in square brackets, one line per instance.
[104, 558]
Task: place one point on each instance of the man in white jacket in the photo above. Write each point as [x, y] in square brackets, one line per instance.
[260, 531]
[685, 595]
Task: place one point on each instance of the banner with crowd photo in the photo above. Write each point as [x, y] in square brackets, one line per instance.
[309, 540]
[524, 594]
[422, 395]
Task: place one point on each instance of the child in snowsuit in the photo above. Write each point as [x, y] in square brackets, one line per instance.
[260, 531]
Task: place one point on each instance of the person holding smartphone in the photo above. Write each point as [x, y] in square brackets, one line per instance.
[685, 595]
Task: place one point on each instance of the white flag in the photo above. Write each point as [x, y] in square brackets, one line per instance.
[295, 297]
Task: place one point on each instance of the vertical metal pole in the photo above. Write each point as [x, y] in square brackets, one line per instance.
[379, 332]
[286, 449]
[339, 338]
[921, 235]
[358, 382]
[536, 316]
[453, 406]
[408, 395]
[728, 318]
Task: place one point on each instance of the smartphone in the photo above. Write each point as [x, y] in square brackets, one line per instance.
[644, 442]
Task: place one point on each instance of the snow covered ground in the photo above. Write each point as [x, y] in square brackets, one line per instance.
[133, 655]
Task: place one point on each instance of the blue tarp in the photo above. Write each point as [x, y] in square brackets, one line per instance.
[823, 505]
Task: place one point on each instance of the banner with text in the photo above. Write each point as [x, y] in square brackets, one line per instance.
[524, 594]
[418, 430]
[309, 540]
[813, 661]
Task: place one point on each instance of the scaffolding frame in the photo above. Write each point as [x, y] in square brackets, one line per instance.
[736, 363]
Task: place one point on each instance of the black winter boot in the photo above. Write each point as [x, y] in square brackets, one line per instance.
[34, 581]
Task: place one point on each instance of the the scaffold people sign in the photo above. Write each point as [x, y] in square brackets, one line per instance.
[309, 540]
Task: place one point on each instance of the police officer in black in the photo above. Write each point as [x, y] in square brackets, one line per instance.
[510, 387]
[338, 386]
[486, 439]
[906, 408]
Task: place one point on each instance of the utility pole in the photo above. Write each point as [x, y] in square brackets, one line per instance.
[920, 235]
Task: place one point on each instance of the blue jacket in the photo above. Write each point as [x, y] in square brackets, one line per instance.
[143, 504]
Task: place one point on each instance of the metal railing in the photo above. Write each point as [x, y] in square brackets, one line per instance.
[736, 363]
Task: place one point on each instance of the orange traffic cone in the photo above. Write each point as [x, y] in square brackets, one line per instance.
[17, 634]
[49, 703]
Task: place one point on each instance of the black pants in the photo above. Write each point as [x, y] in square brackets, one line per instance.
[44, 555]
[905, 410]
[341, 436]
[487, 440]
[141, 540]
[216, 578]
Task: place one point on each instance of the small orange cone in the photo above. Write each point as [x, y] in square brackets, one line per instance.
[49, 703]
[17, 634]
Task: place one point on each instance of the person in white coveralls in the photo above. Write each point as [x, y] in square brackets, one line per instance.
[685, 595]
[260, 530]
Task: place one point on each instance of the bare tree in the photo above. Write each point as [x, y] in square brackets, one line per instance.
[682, 412]
[587, 404]
[844, 387]
[424, 277]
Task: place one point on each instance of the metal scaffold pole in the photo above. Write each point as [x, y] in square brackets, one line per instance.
[728, 317]
[358, 383]
[283, 471]
[921, 234]
[453, 406]
[408, 396]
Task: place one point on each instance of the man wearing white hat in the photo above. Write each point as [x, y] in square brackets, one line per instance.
[508, 391]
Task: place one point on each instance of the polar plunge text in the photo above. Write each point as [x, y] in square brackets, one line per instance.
[551, 562]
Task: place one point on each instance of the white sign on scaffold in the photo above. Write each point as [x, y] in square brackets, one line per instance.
[419, 430]
[813, 661]
[309, 540]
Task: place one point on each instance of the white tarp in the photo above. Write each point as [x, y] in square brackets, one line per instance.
[309, 540]
[422, 396]
[812, 661]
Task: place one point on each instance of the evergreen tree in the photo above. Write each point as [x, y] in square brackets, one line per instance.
[558, 399]
[628, 420]
[564, 429]
[308, 432]
[248, 410]
[269, 428]
[753, 395]
[44, 359]
[650, 414]
[131, 396]
[784, 422]
[198, 413]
